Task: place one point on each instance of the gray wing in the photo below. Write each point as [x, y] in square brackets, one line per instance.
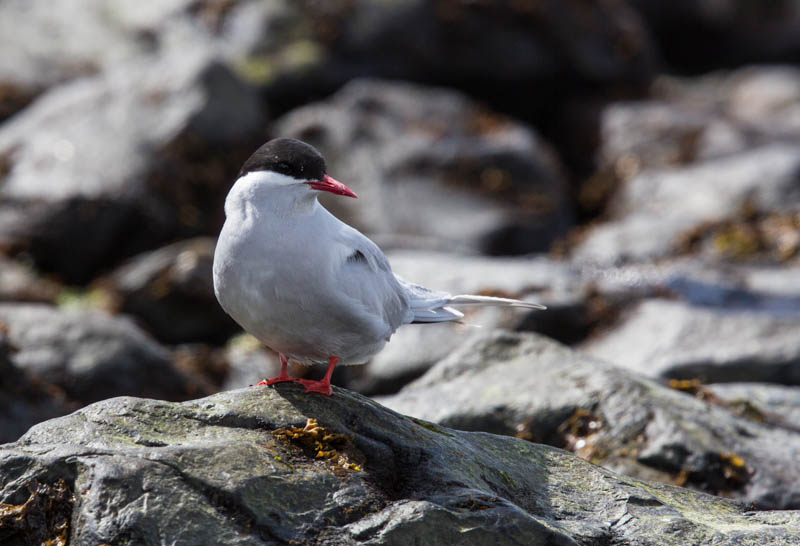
[366, 279]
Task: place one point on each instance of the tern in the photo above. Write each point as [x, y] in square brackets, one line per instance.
[304, 283]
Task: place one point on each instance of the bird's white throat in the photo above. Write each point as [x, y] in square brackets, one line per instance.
[269, 193]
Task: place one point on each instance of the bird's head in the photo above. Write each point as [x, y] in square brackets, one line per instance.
[291, 163]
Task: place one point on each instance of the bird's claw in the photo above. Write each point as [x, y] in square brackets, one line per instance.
[312, 385]
[279, 379]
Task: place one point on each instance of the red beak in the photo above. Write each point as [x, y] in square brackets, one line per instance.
[332, 185]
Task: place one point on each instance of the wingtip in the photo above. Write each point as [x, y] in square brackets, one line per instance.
[531, 305]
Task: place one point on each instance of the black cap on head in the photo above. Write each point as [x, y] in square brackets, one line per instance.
[287, 156]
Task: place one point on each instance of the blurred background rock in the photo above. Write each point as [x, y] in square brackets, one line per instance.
[632, 164]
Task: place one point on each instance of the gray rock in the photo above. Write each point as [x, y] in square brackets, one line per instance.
[771, 403]
[91, 354]
[249, 362]
[773, 290]
[689, 120]
[663, 338]
[655, 134]
[19, 283]
[25, 399]
[218, 471]
[60, 42]
[766, 99]
[150, 143]
[411, 351]
[656, 208]
[529, 386]
[583, 302]
[432, 166]
[171, 291]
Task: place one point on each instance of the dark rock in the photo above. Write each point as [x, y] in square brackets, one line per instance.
[91, 354]
[429, 164]
[520, 56]
[171, 291]
[670, 339]
[526, 385]
[700, 35]
[253, 467]
[24, 398]
[135, 156]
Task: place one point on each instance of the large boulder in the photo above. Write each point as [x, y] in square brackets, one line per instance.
[24, 398]
[267, 466]
[658, 211]
[702, 158]
[663, 338]
[534, 388]
[433, 168]
[134, 156]
[772, 403]
[90, 354]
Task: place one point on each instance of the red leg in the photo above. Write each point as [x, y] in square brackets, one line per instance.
[283, 377]
[324, 386]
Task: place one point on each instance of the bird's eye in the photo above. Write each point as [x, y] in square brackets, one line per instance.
[283, 166]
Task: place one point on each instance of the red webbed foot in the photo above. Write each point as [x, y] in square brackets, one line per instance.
[323, 386]
[278, 379]
[311, 385]
[283, 377]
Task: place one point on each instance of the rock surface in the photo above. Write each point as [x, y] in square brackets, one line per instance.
[666, 204]
[124, 155]
[20, 283]
[529, 386]
[24, 398]
[663, 338]
[243, 467]
[91, 354]
[776, 403]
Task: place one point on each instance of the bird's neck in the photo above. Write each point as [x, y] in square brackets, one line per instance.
[249, 200]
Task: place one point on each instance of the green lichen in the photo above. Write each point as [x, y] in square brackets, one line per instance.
[431, 427]
[506, 478]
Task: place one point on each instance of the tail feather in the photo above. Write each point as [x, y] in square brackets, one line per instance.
[489, 300]
[445, 313]
[428, 306]
[439, 314]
